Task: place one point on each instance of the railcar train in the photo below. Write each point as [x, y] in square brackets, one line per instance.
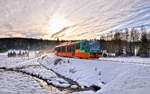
[80, 49]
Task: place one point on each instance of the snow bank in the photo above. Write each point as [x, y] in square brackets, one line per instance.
[133, 81]
[47, 75]
[85, 72]
[70, 70]
[110, 74]
[16, 83]
[31, 66]
[84, 92]
[113, 77]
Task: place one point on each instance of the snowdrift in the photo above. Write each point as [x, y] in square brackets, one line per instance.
[112, 77]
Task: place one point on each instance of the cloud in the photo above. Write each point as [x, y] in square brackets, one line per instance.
[30, 18]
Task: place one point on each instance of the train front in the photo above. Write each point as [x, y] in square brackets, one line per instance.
[92, 47]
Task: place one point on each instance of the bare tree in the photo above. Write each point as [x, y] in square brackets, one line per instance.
[126, 34]
[117, 36]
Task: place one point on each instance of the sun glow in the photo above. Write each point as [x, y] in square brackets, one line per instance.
[57, 23]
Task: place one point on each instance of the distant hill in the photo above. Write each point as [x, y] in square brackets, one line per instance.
[26, 43]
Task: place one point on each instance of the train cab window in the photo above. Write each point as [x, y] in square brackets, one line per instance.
[78, 46]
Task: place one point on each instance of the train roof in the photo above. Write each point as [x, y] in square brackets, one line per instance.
[66, 44]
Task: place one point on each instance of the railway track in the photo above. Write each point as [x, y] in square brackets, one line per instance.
[126, 62]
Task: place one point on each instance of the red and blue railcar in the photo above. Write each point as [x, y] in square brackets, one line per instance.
[81, 49]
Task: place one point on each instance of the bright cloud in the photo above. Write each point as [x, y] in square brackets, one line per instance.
[70, 19]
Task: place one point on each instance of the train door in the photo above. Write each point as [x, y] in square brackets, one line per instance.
[73, 50]
[56, 51]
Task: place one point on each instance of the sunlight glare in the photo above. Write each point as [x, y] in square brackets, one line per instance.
[57, 23]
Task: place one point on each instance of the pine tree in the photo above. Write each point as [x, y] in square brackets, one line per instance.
[143, 51]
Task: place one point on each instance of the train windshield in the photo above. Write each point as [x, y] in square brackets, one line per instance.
[90, 46]
[94, 45]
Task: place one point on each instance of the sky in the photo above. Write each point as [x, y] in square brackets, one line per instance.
[70, 19]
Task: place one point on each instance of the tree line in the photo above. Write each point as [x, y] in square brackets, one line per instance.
[25, 43]
[128, 42]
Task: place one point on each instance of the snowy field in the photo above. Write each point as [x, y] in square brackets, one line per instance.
[113, 77]
[16, 83]
[120, 75]
[12, 62]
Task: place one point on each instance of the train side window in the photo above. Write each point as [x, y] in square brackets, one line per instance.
[71, 48]
[60, 49]
[64, 48]
[67, 48]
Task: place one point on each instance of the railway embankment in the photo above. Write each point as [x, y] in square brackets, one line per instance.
[105, 76]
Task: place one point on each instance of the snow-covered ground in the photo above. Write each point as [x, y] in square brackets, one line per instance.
[47, 75]
[113, 77]
[134, 80]
[119, 75]
[26, 84]
[16, 83]
[12, 62]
